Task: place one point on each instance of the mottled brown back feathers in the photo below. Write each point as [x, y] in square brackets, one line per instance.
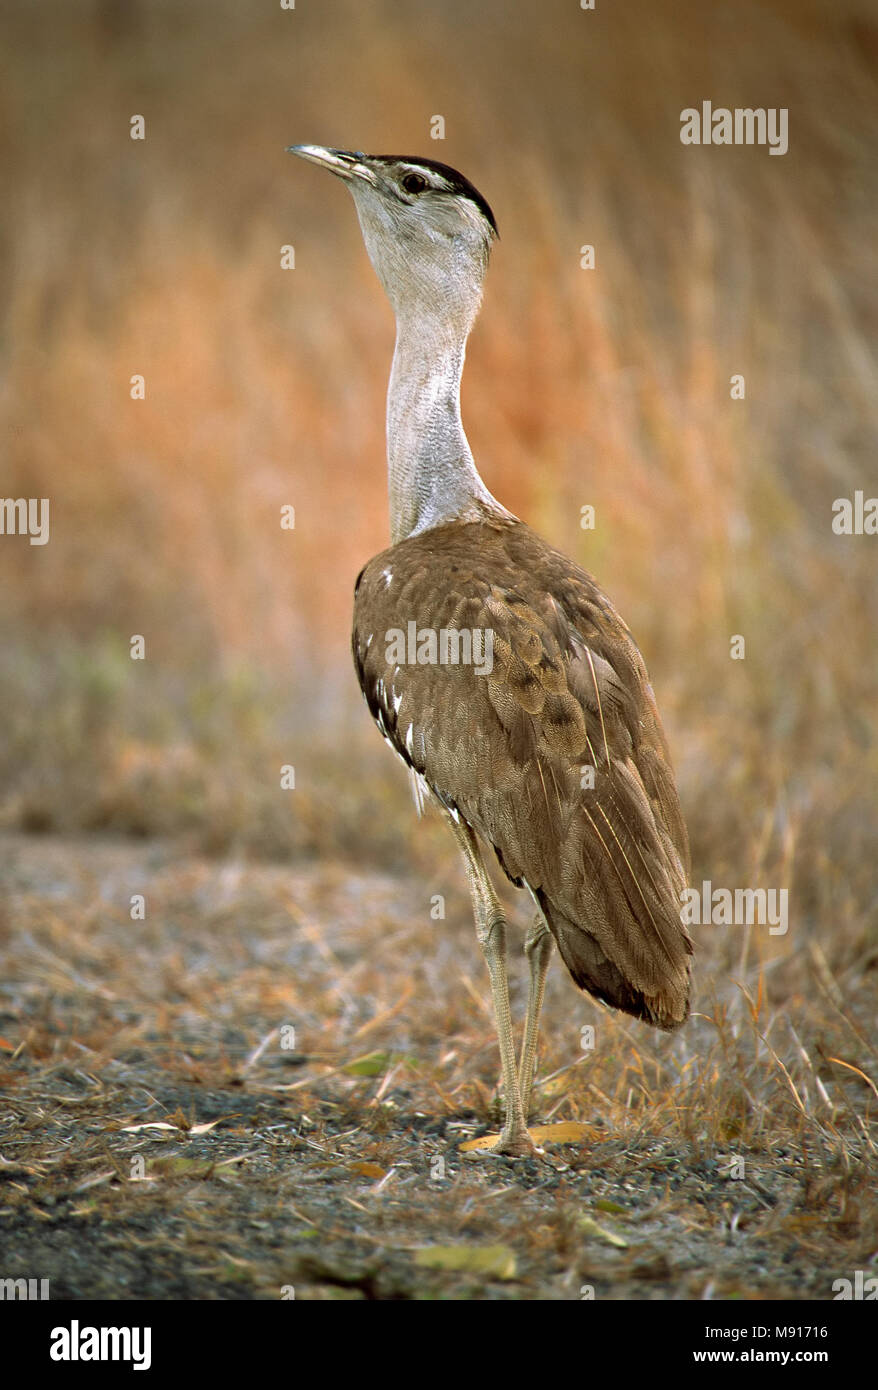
[512, 751]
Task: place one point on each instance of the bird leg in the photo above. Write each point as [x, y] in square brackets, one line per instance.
[491, 934]
[538, 949]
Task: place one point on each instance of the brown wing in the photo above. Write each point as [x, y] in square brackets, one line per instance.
[556, 756]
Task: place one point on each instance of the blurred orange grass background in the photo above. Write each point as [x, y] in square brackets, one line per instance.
[266, 387]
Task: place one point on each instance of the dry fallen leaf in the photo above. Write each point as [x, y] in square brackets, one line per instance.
[163, 1124]
[368, 1170]
[151, 1124]
[587, 1226]
[376, 1063]
[496, 1261]
[565, 1132]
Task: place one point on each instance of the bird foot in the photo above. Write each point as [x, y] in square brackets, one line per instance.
[515, 1144]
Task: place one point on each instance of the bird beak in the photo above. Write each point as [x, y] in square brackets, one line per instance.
[342, 162]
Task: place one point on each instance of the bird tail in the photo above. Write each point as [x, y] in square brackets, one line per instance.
[661, 995]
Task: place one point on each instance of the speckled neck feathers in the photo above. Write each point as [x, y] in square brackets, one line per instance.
[432, 477]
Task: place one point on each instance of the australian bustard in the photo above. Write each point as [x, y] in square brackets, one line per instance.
[552, 752]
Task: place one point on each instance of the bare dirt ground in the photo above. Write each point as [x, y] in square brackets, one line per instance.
[163, 1133]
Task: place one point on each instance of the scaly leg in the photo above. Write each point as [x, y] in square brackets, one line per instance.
[538, 949]
[491, 933]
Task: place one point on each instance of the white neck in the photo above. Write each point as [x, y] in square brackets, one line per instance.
[431, 474]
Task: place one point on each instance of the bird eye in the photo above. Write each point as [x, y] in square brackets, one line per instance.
[414, 183]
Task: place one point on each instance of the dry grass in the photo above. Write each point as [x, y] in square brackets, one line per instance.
[608, 387]
[729, 1161]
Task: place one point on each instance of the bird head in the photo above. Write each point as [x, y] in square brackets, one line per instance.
[427, 230]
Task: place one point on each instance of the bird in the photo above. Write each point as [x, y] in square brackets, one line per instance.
[548, 749]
